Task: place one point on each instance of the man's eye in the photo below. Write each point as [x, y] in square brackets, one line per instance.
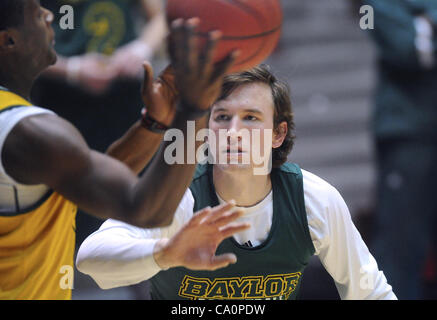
[250, 118]
[222, 117]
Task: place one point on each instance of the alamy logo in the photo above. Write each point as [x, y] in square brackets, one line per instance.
[66, 281]
[245, 147]
[67, 20]
[367, 21]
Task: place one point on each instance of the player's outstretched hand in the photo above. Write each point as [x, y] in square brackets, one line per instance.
[198, 78]
[160, 95]
[194, 246]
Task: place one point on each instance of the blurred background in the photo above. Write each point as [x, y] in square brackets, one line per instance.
[330, 64]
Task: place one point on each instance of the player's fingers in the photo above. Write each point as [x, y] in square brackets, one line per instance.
[175, 41]
[219, 210]
[222, 261]
[148, 78]
[230, 230]
[167, 72]
[167, 79]
[228, 217]
[199, 215]
[223, 67]
[190, 44]
[207, 57]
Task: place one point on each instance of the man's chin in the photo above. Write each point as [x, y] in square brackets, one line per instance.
[229, 167]
[50, 61]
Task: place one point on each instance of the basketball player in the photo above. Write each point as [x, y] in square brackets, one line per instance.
[293, 215]
[47, 169]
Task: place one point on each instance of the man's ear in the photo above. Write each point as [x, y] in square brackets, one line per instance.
[279, 134]
[7, 40]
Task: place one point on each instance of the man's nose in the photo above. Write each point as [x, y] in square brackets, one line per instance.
[234, 129]
[234, 126]
[49, 16]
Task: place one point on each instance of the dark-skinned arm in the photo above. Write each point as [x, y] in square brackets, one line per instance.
[46, 149]
[138, 145]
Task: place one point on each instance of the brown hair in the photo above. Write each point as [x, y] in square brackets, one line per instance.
[281, 98]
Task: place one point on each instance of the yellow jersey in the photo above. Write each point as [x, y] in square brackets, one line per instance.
[37, 244]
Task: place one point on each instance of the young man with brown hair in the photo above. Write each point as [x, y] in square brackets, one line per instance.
[292, 213]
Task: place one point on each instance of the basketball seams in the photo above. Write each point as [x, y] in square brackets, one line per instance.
[259, 25]
[255, 13]
[252, 11]
[230, 38]
[259, 17]
[258, 35]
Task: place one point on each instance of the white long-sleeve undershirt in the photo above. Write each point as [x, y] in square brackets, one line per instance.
[119, 254]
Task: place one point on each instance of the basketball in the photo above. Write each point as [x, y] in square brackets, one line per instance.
[252, 26]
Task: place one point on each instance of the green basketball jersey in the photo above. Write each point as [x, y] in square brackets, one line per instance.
[99, 25]
[272, 270]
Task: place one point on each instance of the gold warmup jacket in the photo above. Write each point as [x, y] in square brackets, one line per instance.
[37, 244]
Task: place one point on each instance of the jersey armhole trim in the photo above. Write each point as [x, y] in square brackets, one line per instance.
[13, 107]
[29, 209]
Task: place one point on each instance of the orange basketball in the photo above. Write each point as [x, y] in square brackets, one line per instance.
[252, 26]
